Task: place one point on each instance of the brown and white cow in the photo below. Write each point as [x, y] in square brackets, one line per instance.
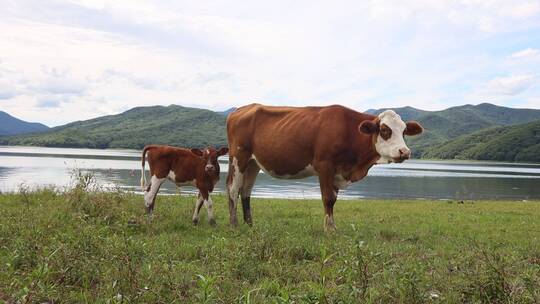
[199, 168]
[337, 144]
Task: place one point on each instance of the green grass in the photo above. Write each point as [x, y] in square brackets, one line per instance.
[98, 247]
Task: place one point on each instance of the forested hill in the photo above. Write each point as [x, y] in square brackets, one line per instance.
[10, 125]
[171, 125]
[441, 127]
[520, 143]
[483, 131]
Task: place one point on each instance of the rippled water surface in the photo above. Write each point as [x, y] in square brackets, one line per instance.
[36, 166]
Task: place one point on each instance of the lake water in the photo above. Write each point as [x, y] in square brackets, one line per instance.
[37, 167]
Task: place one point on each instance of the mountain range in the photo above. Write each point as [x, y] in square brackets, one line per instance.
[482, 132]
[172, 125]
[10, 125]
[442, 127]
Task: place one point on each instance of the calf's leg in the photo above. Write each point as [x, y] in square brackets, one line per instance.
[204, 198]
[210, 210]
[198, 205]
[151, 193]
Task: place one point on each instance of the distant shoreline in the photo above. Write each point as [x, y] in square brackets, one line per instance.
[139, 150]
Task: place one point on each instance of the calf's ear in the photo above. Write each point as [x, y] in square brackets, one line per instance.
[197, 152]
[413, 128]
[223, 151]
[368, 127]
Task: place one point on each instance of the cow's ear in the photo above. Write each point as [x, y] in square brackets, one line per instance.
[197, 152]
[413, 128]
[223, 151]
[368, 127]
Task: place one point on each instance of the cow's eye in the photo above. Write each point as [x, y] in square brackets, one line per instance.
[385, 132]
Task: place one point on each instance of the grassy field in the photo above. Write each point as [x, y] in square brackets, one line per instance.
[98, 247]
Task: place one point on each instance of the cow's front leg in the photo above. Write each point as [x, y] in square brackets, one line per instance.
[329, 196]
[250, 175]
[210, 210]
[198, 204]
[235, 180]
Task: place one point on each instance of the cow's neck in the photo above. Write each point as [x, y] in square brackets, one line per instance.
[365, 159]
[361, 169]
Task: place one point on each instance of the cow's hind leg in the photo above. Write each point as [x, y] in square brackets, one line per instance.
[250, 175]
[151, 193]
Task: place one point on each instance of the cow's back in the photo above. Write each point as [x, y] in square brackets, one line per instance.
[164, 159]
[286, 138]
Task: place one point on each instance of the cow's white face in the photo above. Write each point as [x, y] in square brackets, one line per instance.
[389, 131]
[210, 156]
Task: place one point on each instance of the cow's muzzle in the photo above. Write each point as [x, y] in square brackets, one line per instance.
[404, 154]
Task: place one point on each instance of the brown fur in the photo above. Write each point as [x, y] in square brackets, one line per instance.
[285, 140]
[413, 128]
[187, 165]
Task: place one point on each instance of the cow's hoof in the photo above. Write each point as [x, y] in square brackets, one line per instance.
[195, 221]
[330, 228]
[212, 222]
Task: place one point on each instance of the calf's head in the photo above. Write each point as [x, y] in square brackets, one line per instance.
[210, 156]
[388, 131]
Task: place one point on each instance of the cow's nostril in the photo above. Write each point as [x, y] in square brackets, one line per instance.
[404, 153]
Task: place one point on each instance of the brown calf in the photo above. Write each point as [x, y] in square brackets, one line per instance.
[199, 168]
[337, 144]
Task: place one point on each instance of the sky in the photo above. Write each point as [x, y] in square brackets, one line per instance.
[62, 61]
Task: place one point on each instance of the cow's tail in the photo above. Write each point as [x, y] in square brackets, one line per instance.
[143, 158]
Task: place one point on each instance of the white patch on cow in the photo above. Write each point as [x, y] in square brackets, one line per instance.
[155, 183]
[233, 190]
[389, 149]
[236, 182]
[172, 177]
[208, 204]
[198, 202]
[307, 171]
[384, 160]
[340, 182]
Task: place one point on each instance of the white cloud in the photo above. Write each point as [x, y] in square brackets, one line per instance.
[525, 10]
[531, 102]
[526, 53]
[511, 85]
[48, 102]
[7, 91]
[58, 86]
